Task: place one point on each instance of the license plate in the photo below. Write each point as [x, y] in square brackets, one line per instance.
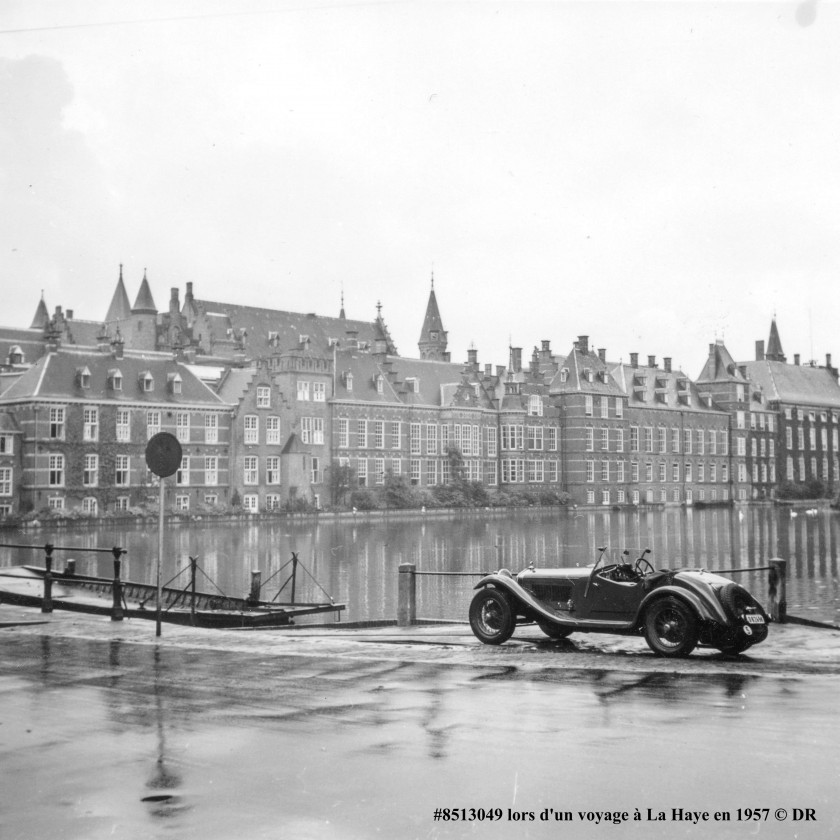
[755, 619]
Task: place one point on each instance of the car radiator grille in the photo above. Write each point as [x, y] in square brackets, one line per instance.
[554, 596]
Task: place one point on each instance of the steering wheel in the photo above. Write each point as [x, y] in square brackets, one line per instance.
[643, 566]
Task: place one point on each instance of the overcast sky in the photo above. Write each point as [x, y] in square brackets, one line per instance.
[654, 175]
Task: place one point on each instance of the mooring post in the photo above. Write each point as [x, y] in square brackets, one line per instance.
[117, 609]
[193, 571]
[407, 595]
[47, 605]
[256, 585]
[777, 590]
[69, 567]
[294, 573]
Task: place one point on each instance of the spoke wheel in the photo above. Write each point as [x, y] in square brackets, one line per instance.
[491, 616]
[671, 627]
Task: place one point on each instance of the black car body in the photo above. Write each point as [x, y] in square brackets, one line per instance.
[674, 609]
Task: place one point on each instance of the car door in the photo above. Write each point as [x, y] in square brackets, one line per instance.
[613, 600]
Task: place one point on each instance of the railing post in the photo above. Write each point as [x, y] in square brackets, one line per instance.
[777, 590]
[47, 606]
[193, 570]
[117, 609]
[407, 595]
[256, 585]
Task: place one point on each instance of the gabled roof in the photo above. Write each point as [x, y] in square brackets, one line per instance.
[795, 384]
[235, 383]
[294, 446]
[56, 376]
[120, 309]
[576, 365]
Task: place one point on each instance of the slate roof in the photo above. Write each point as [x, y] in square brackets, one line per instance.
[577, 363]
[56, 375]
[42, 316]
[235, 383]
[258, 323]
[30, 341]
[144, 302]
[654, 387]
[720, 366]
[795, 384]
[120, 308]
[432, 321]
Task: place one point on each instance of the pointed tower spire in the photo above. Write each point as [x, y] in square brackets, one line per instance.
[145, 304]
[774, 351]
[433, 338]
[341, 314]
[42, 315]
[120, 309]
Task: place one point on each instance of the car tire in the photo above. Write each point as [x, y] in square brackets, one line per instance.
[491, 616]
[671, 627]
[554, 631]
[735, 600]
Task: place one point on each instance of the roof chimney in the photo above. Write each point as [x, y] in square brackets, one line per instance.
[796, 358]
[759, 351]
[174, 305]
[583, 343]
[516, 359]
[546, 345]
[472, 357]
[634, 360]
[602, 354]
[666, 360]
[652, 361]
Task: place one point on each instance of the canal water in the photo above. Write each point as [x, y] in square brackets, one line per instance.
[355, 560]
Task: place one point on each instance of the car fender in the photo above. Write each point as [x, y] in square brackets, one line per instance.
[506, 581]
[704, 608]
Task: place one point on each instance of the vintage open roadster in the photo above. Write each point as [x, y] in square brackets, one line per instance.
[675, 610]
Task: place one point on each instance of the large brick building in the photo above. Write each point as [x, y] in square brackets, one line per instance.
[272, 405]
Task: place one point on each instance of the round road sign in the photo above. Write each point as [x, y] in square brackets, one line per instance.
[163, 454]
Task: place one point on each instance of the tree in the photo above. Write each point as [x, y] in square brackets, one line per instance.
[342, 479]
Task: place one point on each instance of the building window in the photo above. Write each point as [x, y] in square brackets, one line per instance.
[605, 497]
[306, 430]
[415, 442]
[272, 470]
[396, 434]
[634, 438]
[605, 439]
[551, 435]
[90, 474]
[211, 428]
[90, 505]
[319, 391]
[663, 440]
[90, 419]
[590, 497]
[361, 471]
[263, 396]
[431, 472]
[587, 405]
[7, 444]
[122, 473]
[272, 501]
[115, 379]
[55, 502]
[251, 472]
[648, 472]
[252, 428]
[535, 405]
[123, 425]
[56, 468]
[152, 424]
[182, 475]
[619, 408]
[535, 438]
[605, 470]
[147, 382]
[663, 471]
[432, 439]
[634, 472]
[57, 423]
[182, 426]
[414, 470]
[619, 472]
[121, 503]
[182, 503]
[211, 470]
[316, 471]
[687, 441]
[251, 502]
[302, 390]
[343, 432]
[361, 433]
[590, 471]
[379, 434]
[175, 381]
[590, 439]
[648, 438]
[6, 481]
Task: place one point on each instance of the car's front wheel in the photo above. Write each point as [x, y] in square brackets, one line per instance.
[671, 627]
[491, 616]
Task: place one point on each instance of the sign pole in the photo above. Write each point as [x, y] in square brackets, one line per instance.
[159, 556]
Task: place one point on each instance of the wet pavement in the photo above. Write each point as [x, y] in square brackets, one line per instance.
[107, 731]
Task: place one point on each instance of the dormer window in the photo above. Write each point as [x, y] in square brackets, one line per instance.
[380, 384]
[115, 379]
[587, 374]
[16, 356]
[348, 381]
[174, 381]
[564, 374]
[413, 384]
[147, 382]
[83, 377]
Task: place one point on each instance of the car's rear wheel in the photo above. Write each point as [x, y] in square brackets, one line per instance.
[491, 616]
[554, 631]
[671, 627]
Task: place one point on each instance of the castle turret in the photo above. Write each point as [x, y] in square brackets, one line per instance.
[774, 352]
[42, 315]
[120, 308]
